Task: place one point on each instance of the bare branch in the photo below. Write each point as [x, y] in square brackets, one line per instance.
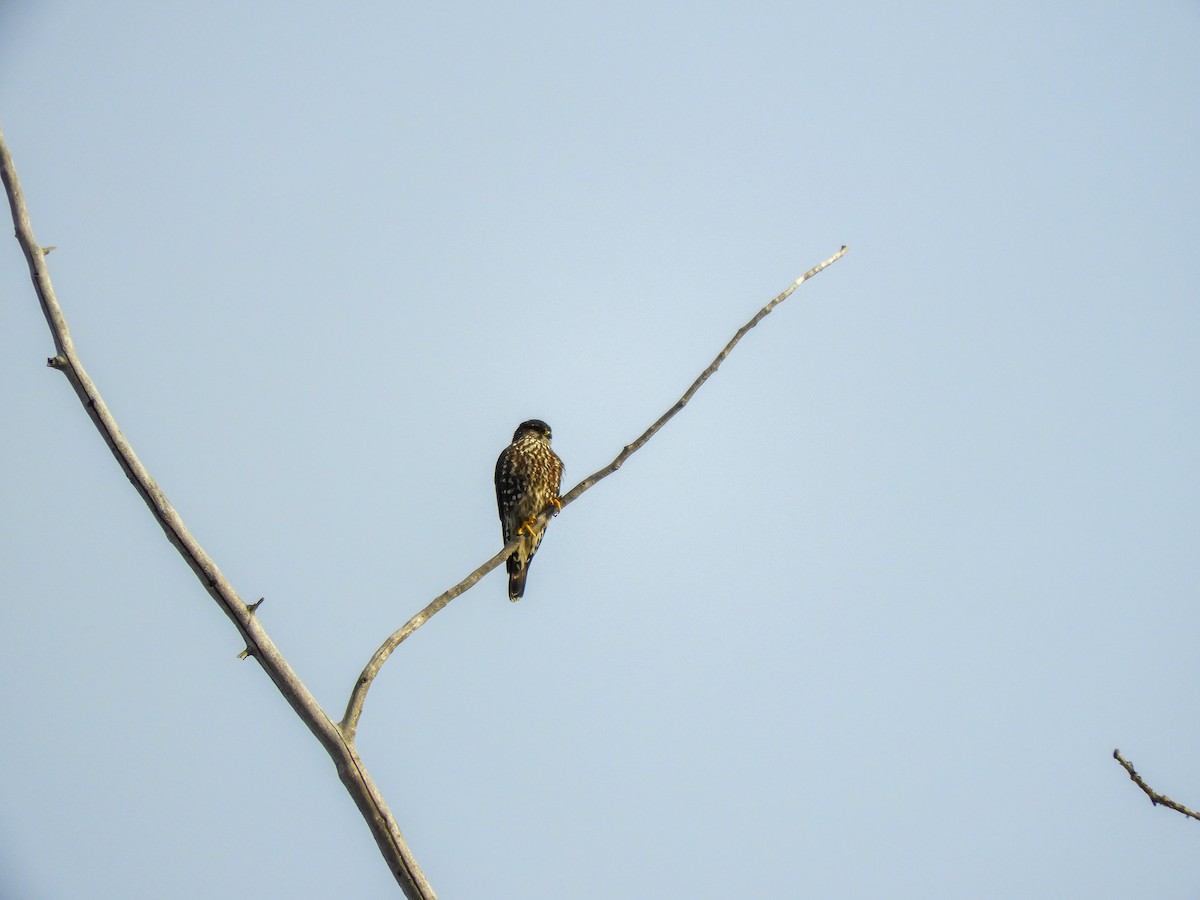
[1155, 797]
[349, 766]
[358, 695]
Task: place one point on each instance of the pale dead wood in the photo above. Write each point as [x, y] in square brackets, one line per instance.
[258, 644]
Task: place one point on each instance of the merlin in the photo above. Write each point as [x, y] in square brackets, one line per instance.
[528, 478]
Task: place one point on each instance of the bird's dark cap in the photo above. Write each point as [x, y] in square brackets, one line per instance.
[535, 425]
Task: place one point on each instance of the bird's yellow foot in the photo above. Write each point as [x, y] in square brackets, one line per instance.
[557, 504]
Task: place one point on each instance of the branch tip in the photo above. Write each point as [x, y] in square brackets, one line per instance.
[1156, 799]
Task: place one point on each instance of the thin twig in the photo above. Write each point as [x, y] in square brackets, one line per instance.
[258, 644]
[1155, 797]
[358, 695]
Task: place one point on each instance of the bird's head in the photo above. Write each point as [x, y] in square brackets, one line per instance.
[532, 426]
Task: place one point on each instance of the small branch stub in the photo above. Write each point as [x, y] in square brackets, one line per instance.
[56, 362]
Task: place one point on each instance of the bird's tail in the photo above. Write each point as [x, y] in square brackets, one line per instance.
[516, 578]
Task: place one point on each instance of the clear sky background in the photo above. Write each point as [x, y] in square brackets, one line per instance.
[866, 620]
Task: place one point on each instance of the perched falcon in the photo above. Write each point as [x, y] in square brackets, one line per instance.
[528, 478]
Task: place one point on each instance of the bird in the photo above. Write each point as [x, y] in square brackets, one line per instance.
[528, 479]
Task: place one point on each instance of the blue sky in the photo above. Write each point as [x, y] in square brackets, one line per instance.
[867, 619]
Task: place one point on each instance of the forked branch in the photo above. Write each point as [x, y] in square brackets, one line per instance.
[358, 695]
[336, 738]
